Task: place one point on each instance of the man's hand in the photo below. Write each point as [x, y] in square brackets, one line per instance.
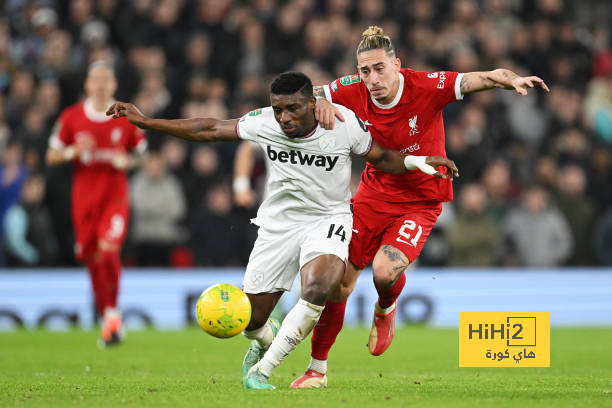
[520, 84]
[325, 113]
[245, 199]
[435, 161]
[127, 110]
[121, 161]
[83, 148]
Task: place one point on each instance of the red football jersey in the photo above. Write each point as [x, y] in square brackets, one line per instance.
[411, 123]
[96, 182]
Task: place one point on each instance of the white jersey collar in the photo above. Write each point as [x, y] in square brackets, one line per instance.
[92, 114]
[395, 100]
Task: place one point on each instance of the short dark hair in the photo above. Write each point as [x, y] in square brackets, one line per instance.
[291, 82]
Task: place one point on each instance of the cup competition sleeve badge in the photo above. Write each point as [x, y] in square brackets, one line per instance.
[499, 339]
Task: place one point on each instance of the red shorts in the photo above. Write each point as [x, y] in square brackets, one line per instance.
[404, 226]
[108, 224]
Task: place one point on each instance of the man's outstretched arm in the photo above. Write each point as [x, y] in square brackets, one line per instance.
[499, 78]
[196, 129]
[394, 162]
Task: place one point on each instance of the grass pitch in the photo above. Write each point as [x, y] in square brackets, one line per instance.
[189, 368]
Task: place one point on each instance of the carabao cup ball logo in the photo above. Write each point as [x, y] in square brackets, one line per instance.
[223, 310]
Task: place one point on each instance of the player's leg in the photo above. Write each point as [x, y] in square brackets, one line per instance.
[85, 251]
[261, 329]
[322, 268]
[400, 245]
[92, 262]
[326, 330]
[363, 245]
[273, 265]
[319, 276]
[111, 233]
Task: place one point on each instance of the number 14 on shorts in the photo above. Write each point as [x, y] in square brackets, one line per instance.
[337, 231]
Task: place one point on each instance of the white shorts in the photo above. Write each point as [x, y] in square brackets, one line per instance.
[277, 257]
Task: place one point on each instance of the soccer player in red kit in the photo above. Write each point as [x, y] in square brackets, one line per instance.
[392, 214]
[101, 150]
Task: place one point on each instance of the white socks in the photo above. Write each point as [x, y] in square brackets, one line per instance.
[296, 326]
[264, 335]
[384, 310]
[320, 366]
[112, 312]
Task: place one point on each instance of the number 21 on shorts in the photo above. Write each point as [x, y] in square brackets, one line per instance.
[407, 234]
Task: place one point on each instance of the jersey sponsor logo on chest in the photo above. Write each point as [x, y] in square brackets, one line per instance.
[411, 149]
[302, 158]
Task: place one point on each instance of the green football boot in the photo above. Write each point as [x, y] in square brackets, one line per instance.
[256, 380]
[256, 351]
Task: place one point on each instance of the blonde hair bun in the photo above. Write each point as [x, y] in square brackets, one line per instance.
[374, 39]
[372, 30]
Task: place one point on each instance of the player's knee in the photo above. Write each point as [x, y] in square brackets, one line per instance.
[107, 246]
[341, 292]
[385, 273]
[316, 292]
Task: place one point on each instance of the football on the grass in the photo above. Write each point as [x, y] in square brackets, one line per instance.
[223, 310]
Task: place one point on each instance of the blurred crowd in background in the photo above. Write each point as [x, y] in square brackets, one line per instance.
[536, 171]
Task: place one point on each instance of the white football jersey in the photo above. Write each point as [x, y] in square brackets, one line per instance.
[308, 176]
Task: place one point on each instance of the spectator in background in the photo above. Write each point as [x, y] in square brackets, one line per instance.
[580, 210]
[13, 174]
[21, 94]
[218, 235]
[159, 205]
[545, 173]
[598, 107]
[204, 172]
[199, 52]
[30, 239]
[174, 153]
[535, 234]
[603, 238]
[497, 183]
[473, 236]
[33, 134]
[467, 156]
[600, 177]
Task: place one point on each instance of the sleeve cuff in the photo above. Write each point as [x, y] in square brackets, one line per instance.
[237, 128]
[56, 143]
[327, 92]
[458, 93]
[141, 147]
[369, 147]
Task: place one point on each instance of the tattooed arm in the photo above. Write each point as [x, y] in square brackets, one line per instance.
[318, 91]
[325, 112]
[499, 78]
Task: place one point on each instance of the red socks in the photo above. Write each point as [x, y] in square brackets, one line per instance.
[104, 274]
[111, 264]
[331, 320]
[97, 284]
[325, 332]
[386, 297]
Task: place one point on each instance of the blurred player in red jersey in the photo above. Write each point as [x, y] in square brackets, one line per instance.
[102, 150]
[392, 214]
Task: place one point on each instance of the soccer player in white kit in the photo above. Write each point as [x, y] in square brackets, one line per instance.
[305, 222]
